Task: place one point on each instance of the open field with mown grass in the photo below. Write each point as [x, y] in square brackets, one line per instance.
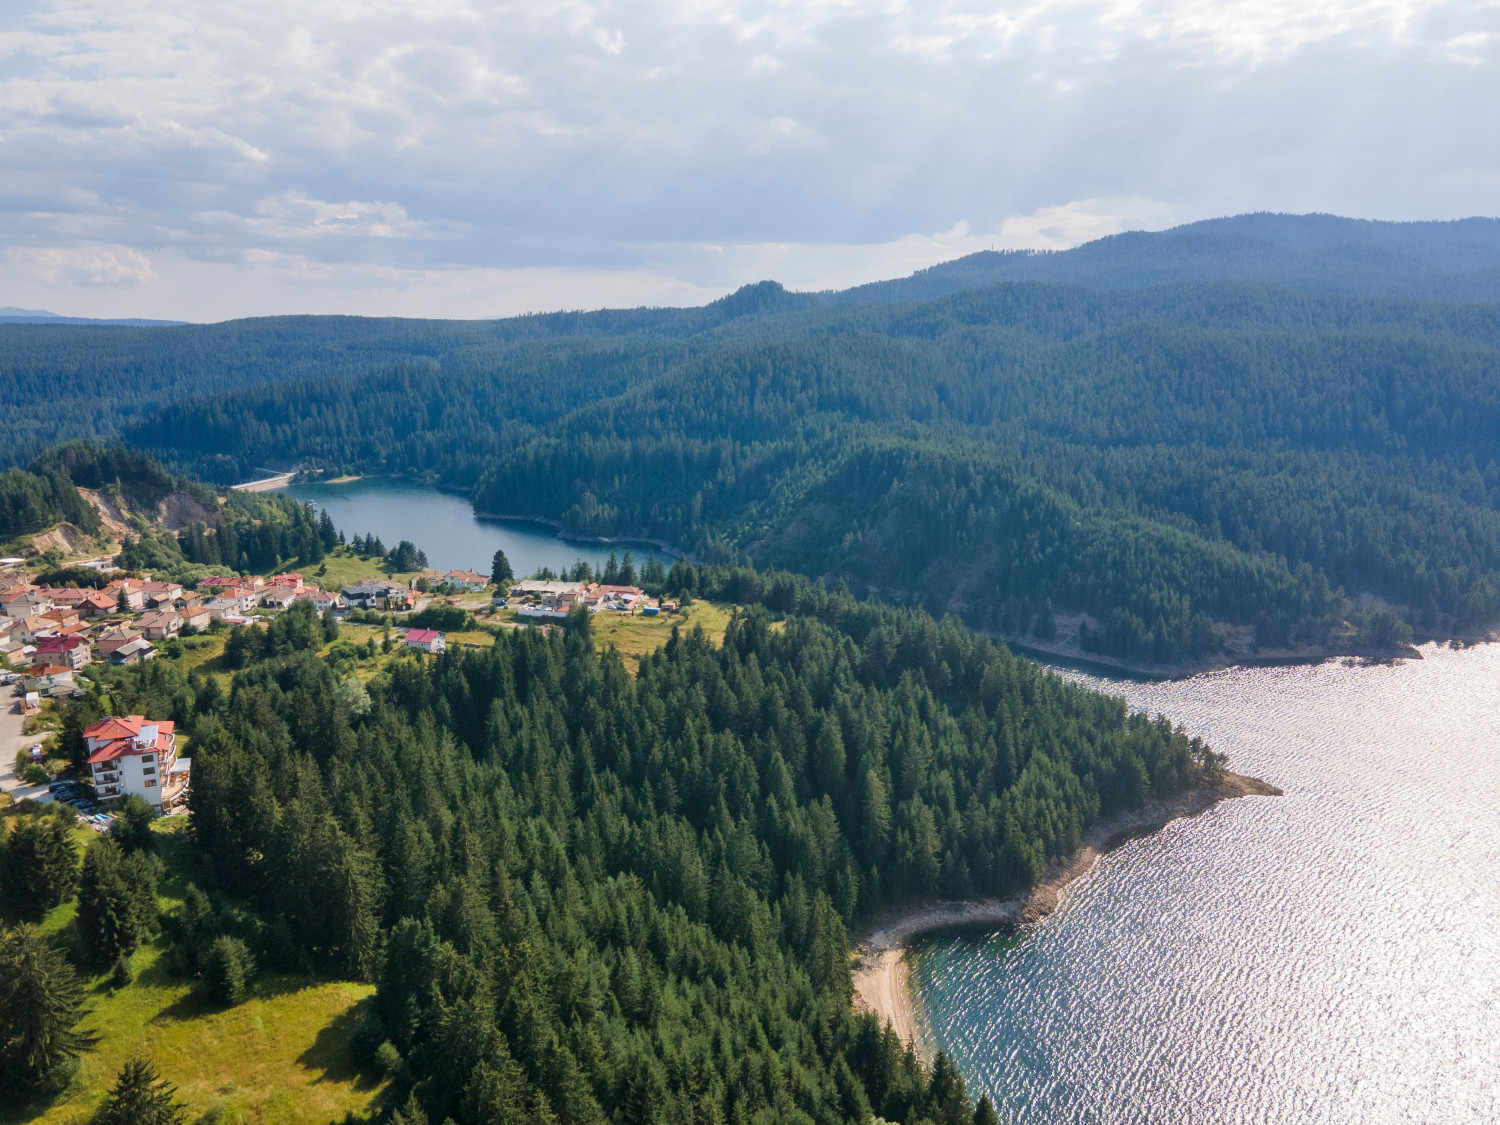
[636, 635]
[340, 568]
[280, 1056]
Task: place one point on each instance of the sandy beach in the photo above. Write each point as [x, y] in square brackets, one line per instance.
[881, 983]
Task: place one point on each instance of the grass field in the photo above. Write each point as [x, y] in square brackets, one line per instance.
[636, 636]
[341, 568]
[280, 1056]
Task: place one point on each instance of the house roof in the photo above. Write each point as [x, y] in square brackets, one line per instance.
[58, 643]
[159, 618]
[117, 736]
[422, 636]
[466, 576]
[537, 586]
[117, 726]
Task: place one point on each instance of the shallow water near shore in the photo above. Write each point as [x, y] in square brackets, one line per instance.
[1332, 955]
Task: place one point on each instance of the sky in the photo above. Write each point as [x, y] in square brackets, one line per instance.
[202, 160]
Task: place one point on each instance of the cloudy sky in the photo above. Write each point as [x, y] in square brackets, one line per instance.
[202, 159]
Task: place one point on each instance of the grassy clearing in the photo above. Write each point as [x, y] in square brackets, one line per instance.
[281, 1056]
[635, 635]
[202, 651]
[471, 637]
[341, 568]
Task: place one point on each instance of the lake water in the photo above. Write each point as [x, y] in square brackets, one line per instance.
[1332, 955]
[446, 528]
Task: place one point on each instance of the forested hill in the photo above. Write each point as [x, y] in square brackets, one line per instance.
[1175, 462]
[1160, 459]
[1454, 261]
[60, 381]
[586, 897]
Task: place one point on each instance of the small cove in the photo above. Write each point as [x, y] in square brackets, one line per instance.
[445, 526]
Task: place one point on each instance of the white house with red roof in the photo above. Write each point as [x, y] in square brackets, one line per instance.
[465, 580]
[133, 755]
[426, 640]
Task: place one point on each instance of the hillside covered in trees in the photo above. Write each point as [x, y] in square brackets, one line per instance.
[585, 896]
[1160, 459]
[1242, 423]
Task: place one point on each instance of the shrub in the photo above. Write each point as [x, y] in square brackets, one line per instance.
[122, 974]
[388, 1060]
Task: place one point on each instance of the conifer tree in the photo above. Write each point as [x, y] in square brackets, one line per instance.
[39, 863]
[500, 570]
[227, 969]
[116, 901]
[132, 826]
[141, 1097]
[41, 1001]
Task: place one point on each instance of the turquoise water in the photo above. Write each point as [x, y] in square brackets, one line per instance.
[1332, 955]
[446, 528]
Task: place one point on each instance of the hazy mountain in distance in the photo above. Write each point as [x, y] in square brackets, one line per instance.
[9, 314]
[1456, 261]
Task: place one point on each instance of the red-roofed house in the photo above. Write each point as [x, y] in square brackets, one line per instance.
[135, 597]
[426, 640]
[160, 624]
[97, 604]
[291, 579]
[466, 580]
[72, 651]
[72, 597]
[132, 755]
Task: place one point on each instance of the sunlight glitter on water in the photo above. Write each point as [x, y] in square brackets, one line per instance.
[1332, 955]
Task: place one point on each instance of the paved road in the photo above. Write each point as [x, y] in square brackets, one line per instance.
[12, 740]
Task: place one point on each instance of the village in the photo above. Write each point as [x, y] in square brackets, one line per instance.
[50, 636]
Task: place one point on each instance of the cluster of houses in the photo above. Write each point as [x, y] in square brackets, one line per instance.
[555, 600]
[53, 632]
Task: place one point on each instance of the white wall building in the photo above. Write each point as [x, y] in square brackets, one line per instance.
[133, 755]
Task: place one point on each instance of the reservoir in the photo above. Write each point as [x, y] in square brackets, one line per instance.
[445, 527]
[1332, 955]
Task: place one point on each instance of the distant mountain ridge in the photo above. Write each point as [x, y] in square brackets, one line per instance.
[1455, 262]
[9, 314]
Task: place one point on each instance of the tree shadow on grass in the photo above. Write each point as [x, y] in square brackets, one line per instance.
[196, 1003]
[330, 1052]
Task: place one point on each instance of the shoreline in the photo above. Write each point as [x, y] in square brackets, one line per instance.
[599, 540]
[1091, 662]
[882, 980]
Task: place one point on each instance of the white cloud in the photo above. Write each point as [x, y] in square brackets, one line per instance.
[91, 267]
[689, 139]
